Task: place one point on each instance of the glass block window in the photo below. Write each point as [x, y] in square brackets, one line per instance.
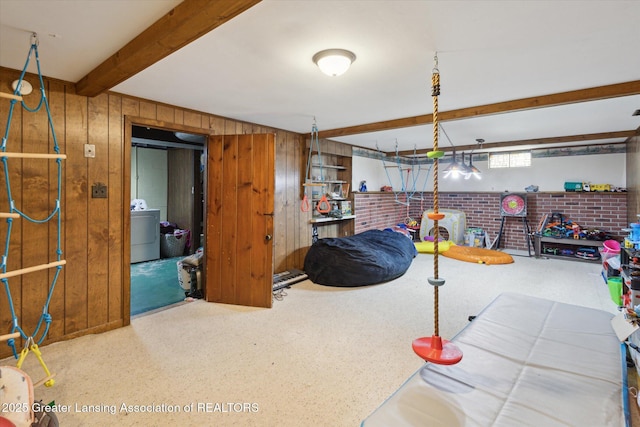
[509, 160]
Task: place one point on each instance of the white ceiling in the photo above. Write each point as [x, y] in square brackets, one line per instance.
[258, 68]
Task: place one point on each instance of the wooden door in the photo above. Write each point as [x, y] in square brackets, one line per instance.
[239, 219]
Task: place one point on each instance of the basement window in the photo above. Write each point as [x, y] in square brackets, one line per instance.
[509, 160]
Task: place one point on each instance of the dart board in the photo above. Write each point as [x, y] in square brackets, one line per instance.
[513, 204]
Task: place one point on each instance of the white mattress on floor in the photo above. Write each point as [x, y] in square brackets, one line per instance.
[526, 362]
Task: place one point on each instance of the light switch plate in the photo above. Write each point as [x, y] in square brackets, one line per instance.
[89, 150]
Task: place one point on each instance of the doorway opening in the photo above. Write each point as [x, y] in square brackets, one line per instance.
[166, 217]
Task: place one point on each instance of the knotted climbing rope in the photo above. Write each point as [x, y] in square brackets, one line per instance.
[33, 340]
[434, 349]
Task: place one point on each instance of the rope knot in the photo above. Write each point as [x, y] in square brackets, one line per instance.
[47, 317]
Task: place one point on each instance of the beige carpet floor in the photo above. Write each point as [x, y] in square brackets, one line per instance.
[321, 356]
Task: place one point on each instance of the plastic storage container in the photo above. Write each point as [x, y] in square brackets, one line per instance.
[615, 289]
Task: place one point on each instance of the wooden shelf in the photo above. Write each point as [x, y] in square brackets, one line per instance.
[330, 219]
[326, 181]
[330, 199]
[342, 168]
[539, 240]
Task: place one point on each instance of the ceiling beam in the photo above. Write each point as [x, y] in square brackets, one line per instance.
[185, 23]
[536, 141]
[561, 98]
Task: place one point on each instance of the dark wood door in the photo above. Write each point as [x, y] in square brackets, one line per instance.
[239, 223]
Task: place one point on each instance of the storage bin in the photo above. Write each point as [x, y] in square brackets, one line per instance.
[615, 289]
[474, 237]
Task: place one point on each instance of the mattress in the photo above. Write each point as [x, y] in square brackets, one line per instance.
[527, 362]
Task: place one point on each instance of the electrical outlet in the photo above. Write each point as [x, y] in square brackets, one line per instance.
[89, 150]
[99, 191]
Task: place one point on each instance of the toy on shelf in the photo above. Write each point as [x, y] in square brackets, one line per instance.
[588, 187]
[561, 227]
[632, 240]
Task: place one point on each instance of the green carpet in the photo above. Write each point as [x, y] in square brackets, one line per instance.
[154, 284]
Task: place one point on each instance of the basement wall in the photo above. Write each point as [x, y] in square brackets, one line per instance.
[91, 294]
[604, 211]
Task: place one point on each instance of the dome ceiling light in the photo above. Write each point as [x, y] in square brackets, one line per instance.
[334, 62]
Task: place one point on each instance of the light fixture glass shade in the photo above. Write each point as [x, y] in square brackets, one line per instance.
[455, 169]
[334, 62]
[473, 171]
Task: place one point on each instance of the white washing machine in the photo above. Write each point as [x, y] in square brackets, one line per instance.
[145, 235]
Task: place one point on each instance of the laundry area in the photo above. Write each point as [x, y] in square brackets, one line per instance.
[166, 218]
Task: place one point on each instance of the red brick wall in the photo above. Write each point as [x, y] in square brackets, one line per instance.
[604, 211]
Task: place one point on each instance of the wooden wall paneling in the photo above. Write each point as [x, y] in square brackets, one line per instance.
[304, 229]
[192, 119]
[197, 218]
[98, 212]
[80, 240]
[213, 233]
[280, 206]
[130, 107]
[181, 201]
[292, 204]
[331, 148]
[165, 113]
[148, 110]
[179, 116]
[34, 202]
[76, 211]
[56, 97]
[117, 208]
[14, 259]
[301, 223]
[216, 125]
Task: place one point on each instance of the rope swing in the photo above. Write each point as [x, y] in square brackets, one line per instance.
[323, 205]
[434, 349]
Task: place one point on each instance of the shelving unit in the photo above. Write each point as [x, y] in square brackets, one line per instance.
[542, 242]
[328, 184]
[328, 181]
[628, 272]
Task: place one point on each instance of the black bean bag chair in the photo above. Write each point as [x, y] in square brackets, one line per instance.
[371, 257]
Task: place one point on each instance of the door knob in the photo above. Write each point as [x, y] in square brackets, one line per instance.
[268, 237]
